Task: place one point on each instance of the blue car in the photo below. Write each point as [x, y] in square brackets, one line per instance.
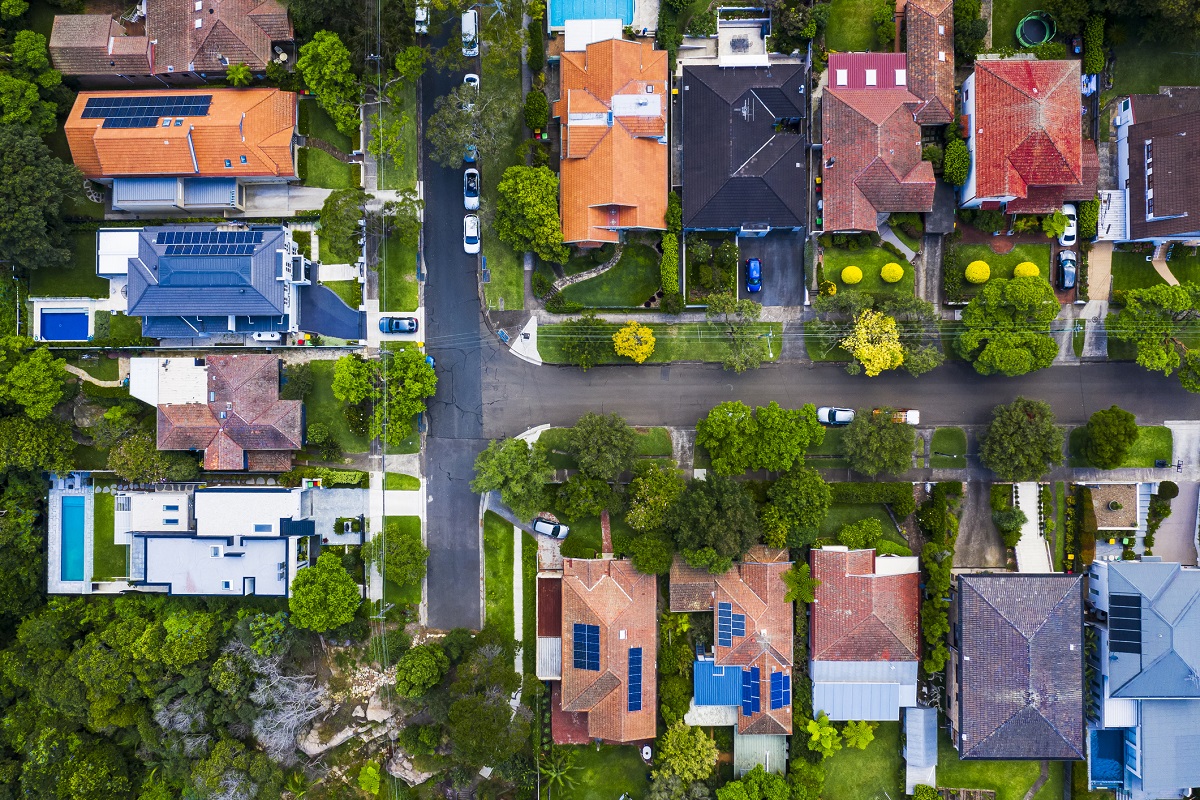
[472, 152]
[753, 275]
[397, 324]
[429, 360]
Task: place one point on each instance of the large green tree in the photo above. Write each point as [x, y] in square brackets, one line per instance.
[464, 117]
[729, 433]
[136, 458]
[519, 472]
[402, 555]
[325, 64]
[800, 499]
[687, 753]
[28, 445]
[603, 445]
[341, 237]
[324, 595]
[1021, 442]
[585, 340]
[34, 187]
[875, 444]
[527, 212]
[770, 437]
[405, 381]
[1110, 434]
[713, 522]
[1154, 319]
[420, 669]
[30, 377]
[1007, 327]
[653, 491]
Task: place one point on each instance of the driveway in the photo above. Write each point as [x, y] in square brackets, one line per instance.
[375, 337]
[782, 257]
[323, 312]
[979, 543]
[1176, 537]
[282, 199]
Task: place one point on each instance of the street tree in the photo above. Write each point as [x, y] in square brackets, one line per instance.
[655, 488]
[634, 341]
[527, 212]
[801, 498]
[1007, 327]
[462, 117]
[784, 435]
[603, 445]
[584, 340]
[389, 138]
[519, 472]
[1022, 441]
[687, 753]
[716, 517]
[1154, 319]
[325, 64]
[747, 348]
[324, 596]
[34, 187]
[1110, 435]
[420, 669]
[410, 63]
[404, 381]
[875, 443]
[875, 343]
[729, 433]
[401, 556]
[353, 379]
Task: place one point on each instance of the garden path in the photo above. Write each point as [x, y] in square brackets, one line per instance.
[84, 375]
[888, 235]
[563, 283]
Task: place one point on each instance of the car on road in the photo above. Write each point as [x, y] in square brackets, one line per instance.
[753, 275]
[470, 154]
[471, 234]
[1072, 230]
[1068, 265]
[829, 415]
[421, 17]
[471, 189]
[429, 360]
[398, 325]
[470, 33]
[550, 528]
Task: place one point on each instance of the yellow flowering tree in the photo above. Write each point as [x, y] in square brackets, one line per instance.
[635, 340]
[875, 342]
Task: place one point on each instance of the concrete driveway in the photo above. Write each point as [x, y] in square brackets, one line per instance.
[282, 199]
[375, 337]
[782, 257]
[1176, 537]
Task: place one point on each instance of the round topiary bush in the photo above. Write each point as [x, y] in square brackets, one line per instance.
[1026, 269]
[1168, 490]
[978, 272]
[891, 272]
[851, 275]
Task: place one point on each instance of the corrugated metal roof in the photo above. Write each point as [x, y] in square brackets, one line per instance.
[209, 191]
[549, 657]
[717, 686]
[144, 190]
[865, 671]
[920, 737]
[750, 750]
[1170, 746]
[859, 701]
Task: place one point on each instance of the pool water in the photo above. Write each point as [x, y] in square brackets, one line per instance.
[72, 538]
[64, 326]
[563, 10]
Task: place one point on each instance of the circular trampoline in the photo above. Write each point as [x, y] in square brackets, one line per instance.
[1036, 28]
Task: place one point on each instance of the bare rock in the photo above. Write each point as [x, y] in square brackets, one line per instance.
[376, 712]
[401, 766]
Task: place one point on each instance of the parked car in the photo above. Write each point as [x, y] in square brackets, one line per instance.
[471, 234]
[1069, 235]
[753, 275]
[1068, 265]
[429, 360]
[472, 80]
[470, 33]
[470, 154]
[548, 528]
[421, 17]
[828, 415]
[471, 189]
[397, 324]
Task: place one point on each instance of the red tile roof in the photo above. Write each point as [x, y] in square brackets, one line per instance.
[930, 25]
[861, 616]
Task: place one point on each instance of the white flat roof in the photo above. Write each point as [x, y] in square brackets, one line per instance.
[158, 511]
[168, 381]
[582, 32]
[244, 511]
[114, 248]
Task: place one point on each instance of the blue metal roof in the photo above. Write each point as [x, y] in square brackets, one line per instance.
[867, 701]
[920, 737]
[144, 190]
[210, 191]
[716, 686]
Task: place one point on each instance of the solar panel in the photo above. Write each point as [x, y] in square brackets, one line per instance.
[724, 624]
[781, 690]
[1125, 623]
[144, 111]
[586, 647]
[739, 624]
[751, 701]
[635, 679]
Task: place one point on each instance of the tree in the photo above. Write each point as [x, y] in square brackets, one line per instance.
[651, 554]
[389, 138]
[537, 110]
[802, 586]
[746, 348]
[320, 436]
[784, 435]
[757, 784]
[28, 445]
[875, 444]
[527, 212]
[353, 379]
[635, 341]
[1054, 224]
[730, 436]
[190, 637]
[582, 496]
[341, 237]
[957, 163]
[1153, 320]
[405, 381]
[462, 117]
[238, 75]
[1110, 434]
[584, 340]
[713, 521]
[1021, 442]
[823, 738]
[519, 472]
[324, 596]
[137, 459]
[34, 187]
[861, 535]
[859, 734]
[402, 555]
[420, 669]
[1007, 327]
[298, 382]
[32, 379]
[687, 753]
[875, 343]
[325, 64]
[652, 492]
[410, 63]
[483, 730]
[603, 445]
[400, 217]
[801, 498]
[807, 779]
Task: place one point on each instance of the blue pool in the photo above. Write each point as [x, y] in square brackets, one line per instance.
[64, 326]
[563, 10]
[1106, 764]
[72, 538]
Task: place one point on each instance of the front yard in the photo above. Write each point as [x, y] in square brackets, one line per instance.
[1010, 780]
[398, 289]
[848, 513]
[1154, 443]
[1133, 271]
[351, 292]
[1002, 264]
[318, 168]
[876, 773]
[321, 406]
[948, 450]
[871, 261]
[78, 278]
[628, 284]
[693, 341]
[406, 528]
[313, 121]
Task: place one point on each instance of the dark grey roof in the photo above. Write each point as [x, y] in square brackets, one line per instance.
[191, 327]
[323, 312]
[194, 284]
[736, 168]
[1020, 667]
[1175, 142]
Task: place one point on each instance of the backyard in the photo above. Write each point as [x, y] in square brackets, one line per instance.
[498, 580]
[1140, 67]
[78, 278]
[405, 527]
[693, 341]
[948, 450]
[630, 282]
[318, 168]
[1010, 780]
[850, 28]
[109, 560]
[876, 773]
[1001, 264]
[1154, 443]
[1006, 15]
[871, 261]
[604, 772]
[398, 284]
[322, 406]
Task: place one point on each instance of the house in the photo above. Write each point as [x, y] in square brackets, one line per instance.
[871, 143]
[226, 407]
[930, 46]
[744, 147]
[183, 149]
[1144, 688]
[1015, 674]
[865, 640]
[1158, 167]
[180, 42]
[1028, 154]
[613, 108]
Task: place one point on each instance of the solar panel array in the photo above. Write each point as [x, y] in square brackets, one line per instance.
[1125, 623]
[144, 111]
[739, 624]
[209, 243]
[635, 679]
[724, 625]
[781, 690]
[751, 701]
[587, 647]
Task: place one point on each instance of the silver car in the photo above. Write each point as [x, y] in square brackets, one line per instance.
[828, 415]
[553, 529]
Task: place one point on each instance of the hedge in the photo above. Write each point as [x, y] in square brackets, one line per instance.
[669, 267]
[328, 477]
[537, 110]
[957, 163]
[898, 495]
[1089, 219]
[886, 547]
[1093, 46]
[536, 54]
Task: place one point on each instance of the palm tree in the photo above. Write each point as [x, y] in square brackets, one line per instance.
[238, 74]
[557, 767]
[297, 784]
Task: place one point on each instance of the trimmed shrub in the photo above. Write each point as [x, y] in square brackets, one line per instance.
[537, 110]
[851, 275]
[886, 547]
[898, 495]
[669, 266]
[891, 272]
[1093, 45]
[957, 162]
[1168, 490]
[978, 272]
[1089, 219]
[536, 57]
[541, 285]
[1026, 269]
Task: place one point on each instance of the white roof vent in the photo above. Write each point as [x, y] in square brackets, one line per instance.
[901, 77]
[843, 77]
[199, 22]
[941, 55]
[941, 29]
[871, 77]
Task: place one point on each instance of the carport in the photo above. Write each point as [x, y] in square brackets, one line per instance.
[782, 257]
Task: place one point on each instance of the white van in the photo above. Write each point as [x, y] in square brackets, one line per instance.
[470, 33]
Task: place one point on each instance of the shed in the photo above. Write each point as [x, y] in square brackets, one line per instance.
[920, 748]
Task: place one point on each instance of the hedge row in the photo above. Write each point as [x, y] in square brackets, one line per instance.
[897, 495]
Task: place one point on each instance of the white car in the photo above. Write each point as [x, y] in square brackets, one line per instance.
[421, 17]
[1072, 232]
[471, 234]
[553, 529]
[471, 189]
[472, 80]
[828, 415]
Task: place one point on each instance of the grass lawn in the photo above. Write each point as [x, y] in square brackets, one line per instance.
[845, 513]
[498, 577]
[351, 292]
[529, 606]
[1133, 271]
[409, 594]
[403, 176]
[99, 367]
[815, 347]
[505, 266]
[1010, 780]
[89, 457]
[78, 278]
[1002, 265]
[1006, 14]
[876, 773]
[409, 444]
[603, 772]
[1154, 443]
[318, 168]
[1141, 67]
[913, 243]
[398, 480]
[586, 539]
[399, 279]
[1079, 337]
[850, 27]
[315, 122]
[830, 453]
[322, 406]
[870, 261]
[949, 448]
[1060, 538]
[632, 281]
[109, 560]
[648, 442]
[693, 341]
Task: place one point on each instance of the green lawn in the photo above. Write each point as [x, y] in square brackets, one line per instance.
[351, 292]
[410, 443]
[1141, 67]
[398, 480]
[322, 406]
[632, 281]
[912, 242]
[586, 539]
[830, 453]
[876, 773]
[1133, 271]
[109, 560]
[314, 121]
[648, 443]
[505, 266]
[948, 449]
[409, 594]
[1006, 14]
[1154, 443]
[529, 567]
[1079, 337]
[404, 175]
[1010, 780]
[846, 513]
[399, 288]
[89, 457]
[870, 261]
[99, 367]
[604, 772]
[1002, 265]
[318, 168]
[850, 27]
[498, 569]
[77, 279]
[1060, 538]
[693, 341]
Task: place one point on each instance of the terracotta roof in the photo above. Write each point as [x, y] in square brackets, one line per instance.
[245, 389]
[614, 171]
[1027, 127]
[257, 124]
[239, 30]
[861, 616]
[930, 25]
[691, 589]
[96, 44]
[622, 603]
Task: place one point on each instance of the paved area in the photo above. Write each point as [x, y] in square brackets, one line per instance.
[1100, 271]
[323, 311]
[1033, 553]
[282, 200]
[375, 337]
[888, 235]
[782, 257]
[329, 505]
[1160, 266]
[1176, 537]
[979, 543]
[1095, 339]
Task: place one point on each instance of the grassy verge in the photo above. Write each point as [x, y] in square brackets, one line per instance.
[1060, 537]
[871, 262]
[604, 772]
[410, 593]
[318, 168]
[398, 480]
[529, 609]
[78, 278]
[410, 443]
[109, 560]
[1010, 780]
[830, 453]
[948, 449]
[399, 285]
[700, 341]
[816, 351]
[498, 573]
[1002, 265]
[850, 27]
[404, 174]
[847, 513]
[877, 772]
[313, 121]
[648, 443]
[505, 266]
[1154, 443]
[351, 292]
[322, 406]
[632, 281]
[1078, 337]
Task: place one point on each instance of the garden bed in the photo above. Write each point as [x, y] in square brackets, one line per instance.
[871, 261]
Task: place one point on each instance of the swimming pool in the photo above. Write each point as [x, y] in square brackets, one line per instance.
[64, 326]
[72, 538]
[563, 10]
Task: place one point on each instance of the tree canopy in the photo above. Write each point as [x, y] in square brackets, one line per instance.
[34, 186]
[527, 212]
[466, 116]
[1154, 319]
[603, 445]
[747, 348]
[713, 522]
[687, 753]
[325, 64]
[800, 499]
[1021, 442]
[875, 444]
[324, 596]
[875, 343]
[1007, 327]
[769, 437]
[519, 472]
[653, 491]
[1110, 434]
